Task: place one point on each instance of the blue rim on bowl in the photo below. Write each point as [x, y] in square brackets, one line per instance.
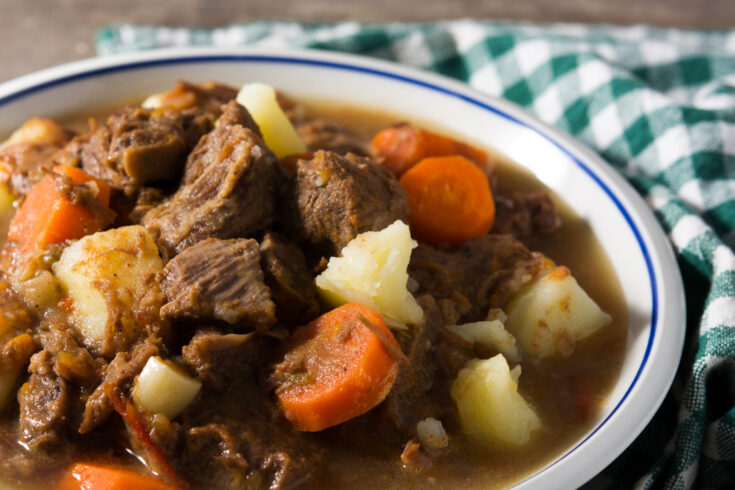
[644, 228]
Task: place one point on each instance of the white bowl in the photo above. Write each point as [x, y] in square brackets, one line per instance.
[631, 237]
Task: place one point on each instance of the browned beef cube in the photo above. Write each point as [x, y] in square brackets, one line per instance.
[207, 96]
[138, 146]
[336, 197]
[526, 214]
[291, 283]
[218, 280]
[228, 189]
[220, 360]
[480, 274]
[325, 134]
[44, 403]
[409, 400]
[119, 373]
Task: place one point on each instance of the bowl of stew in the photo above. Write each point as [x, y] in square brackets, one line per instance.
[297, 269]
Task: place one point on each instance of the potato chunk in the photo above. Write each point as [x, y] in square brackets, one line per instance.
[552, 313]
[278, 132]
[373, 271]
[112, 280]
[162, 387]
[490, 334]
[490, 408]
[38, 130]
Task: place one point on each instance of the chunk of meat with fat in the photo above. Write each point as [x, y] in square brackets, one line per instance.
[326, 134]
[291, 282]
[336, 197]
[120, 372]
[228, 190]
[218, 280]
[138, 146]
[526, 214]
[207, 96]
[480, 274]
[44, 403]
[29, 153]
[219, 360]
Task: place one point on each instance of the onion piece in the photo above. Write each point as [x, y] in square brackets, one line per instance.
[431, 433]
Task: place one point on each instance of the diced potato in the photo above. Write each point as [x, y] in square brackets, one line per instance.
[490, 408]
[373, 271]
[111, 278]
[7, 209]
[490, 334]
[552, 313]
[38, 130]
[278, 132]
[162, 387]
[40, 291]
[8, 382]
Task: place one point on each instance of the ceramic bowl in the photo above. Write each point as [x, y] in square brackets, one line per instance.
[638, 249]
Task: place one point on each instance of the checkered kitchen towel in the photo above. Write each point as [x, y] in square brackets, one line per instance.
[659, 105]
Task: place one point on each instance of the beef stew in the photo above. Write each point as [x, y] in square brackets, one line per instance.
[166, 340]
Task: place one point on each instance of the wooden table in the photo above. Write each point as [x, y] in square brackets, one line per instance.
[36, 34]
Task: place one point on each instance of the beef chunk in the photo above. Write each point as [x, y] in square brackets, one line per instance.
[207, 96]
[138, 146]
[228, 189]
[338, 197]
[321, 133]
[291, 283]
[526, 214]
[63, 356]
[44, 401]
[118, 373]
[409, 400]
[326, 134]
[29, 153]
[24, 164]
[219, 360]
[218, 280]
[482, 273]
[246, 453]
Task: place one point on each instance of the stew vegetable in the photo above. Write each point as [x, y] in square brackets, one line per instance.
[224, 288]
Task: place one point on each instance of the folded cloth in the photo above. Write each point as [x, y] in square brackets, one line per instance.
[659, 106]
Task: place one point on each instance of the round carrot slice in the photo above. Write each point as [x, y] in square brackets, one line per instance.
[449, 199]
[338, 367]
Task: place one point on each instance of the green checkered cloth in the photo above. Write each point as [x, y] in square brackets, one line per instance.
[659, 106]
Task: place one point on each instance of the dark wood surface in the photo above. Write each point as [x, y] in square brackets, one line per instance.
[40, 33]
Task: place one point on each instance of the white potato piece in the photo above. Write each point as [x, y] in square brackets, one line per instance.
[111, 278]
[278, 132]
[7, 208]
[552, 313]
[8, 382]
[490, 334]
[38, 130]
[373, 271]
[162, 387]
[490, 408]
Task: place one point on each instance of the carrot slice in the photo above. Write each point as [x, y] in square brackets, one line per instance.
[83, 476]
[449, 200]
[47, 217]
[337, 368]
[403, 145]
